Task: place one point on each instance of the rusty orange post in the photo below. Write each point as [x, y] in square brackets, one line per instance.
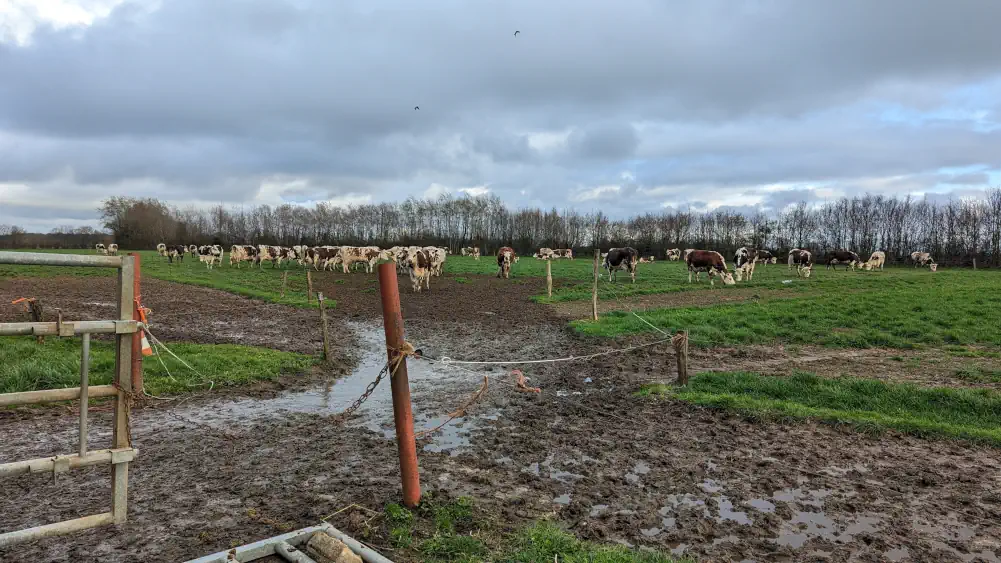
[137, 357]
[403, 415]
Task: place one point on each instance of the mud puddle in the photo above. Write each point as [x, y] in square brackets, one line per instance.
[333, 397]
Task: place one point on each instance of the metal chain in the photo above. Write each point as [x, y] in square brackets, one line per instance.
[364, 396]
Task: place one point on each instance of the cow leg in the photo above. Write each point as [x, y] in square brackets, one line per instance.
[689, 276]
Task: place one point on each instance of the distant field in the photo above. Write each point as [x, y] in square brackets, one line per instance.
[897, 308]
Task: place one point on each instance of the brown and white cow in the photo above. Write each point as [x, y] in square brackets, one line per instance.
[436, 257]
[708, 261]
[674, 254]
[161, 249]
[112, 249]
[350, 255]
[566, 253]
[543, 254]
[765, 257]
[239, 253]
[418, 265]
[505, 257]
[267, 253]
[803, 260]
[100, 249]
[684, 254]
[842, 256]
[743, 263]
[876, 260]
[920, 258]
[624, 258]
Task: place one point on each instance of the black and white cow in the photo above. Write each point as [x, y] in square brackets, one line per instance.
[210, 255]
[624, 258]
[743, 263]
[176, 251]
[803, 260]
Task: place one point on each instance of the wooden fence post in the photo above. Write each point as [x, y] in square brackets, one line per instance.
[549, 277]
[285, 282]
[309, 287]
[974, 263]
[594, 288]
[680, 342]
[137, 358]
[323, 324]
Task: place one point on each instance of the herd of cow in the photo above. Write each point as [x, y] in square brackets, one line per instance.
[421, 263]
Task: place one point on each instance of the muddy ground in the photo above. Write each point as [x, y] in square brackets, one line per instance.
[608, 465]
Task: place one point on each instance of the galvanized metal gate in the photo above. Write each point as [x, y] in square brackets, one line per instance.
[121, 451]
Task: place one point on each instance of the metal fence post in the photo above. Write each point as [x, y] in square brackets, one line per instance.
[403, 415]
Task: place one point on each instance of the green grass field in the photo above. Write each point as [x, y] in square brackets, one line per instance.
[28, 366]
[973, 414]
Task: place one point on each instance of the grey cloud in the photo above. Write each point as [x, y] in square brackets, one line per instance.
[612, 141]
[202, 101]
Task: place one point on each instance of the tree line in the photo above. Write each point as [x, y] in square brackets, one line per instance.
[954, 232]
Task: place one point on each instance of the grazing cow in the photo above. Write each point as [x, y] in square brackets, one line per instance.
[209, 255]
[708, 261]
[920, 258]
[674, 254]
[505, 257]
[743, 263]
[161, 249]
[803, 260]
[99, 247]
[543, 254]
[841, 256]
[765, 257]
[876, 260]
[176, 251]
[624, 258]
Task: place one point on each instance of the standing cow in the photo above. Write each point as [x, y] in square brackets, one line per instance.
[99, 247]
[674, 254]
[708, 261]
[621, 259]
[176, 251]
[803, 260]
[505, 257]
[743, 263]
[418, 265]
[842, 256]
[765, 257]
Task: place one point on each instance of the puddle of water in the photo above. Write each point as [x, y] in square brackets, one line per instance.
[711, 486]
[555, 474]
[650, 532]
[335, 396]
[801, 496]
[761, 505]
[667, 522]
[726, 512]
[641, 468]
[99, 304]
[710, 465]
[533, 469]
[563, 499]
[598, 509]
[679, 549]
[687, 500]
[503, 460]
[897, 554]
[804, 526]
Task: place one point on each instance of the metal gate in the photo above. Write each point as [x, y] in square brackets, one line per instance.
[121, 451]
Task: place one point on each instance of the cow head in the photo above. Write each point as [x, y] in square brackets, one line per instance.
[806, 270]
[727, 278]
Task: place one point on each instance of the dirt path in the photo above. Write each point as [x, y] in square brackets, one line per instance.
[611, 466]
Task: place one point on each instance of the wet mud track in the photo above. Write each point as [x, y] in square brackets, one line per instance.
[609, 465]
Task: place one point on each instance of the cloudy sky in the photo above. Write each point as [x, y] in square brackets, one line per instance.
[624, 106]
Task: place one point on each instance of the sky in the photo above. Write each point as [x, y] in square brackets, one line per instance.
[625, 107]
